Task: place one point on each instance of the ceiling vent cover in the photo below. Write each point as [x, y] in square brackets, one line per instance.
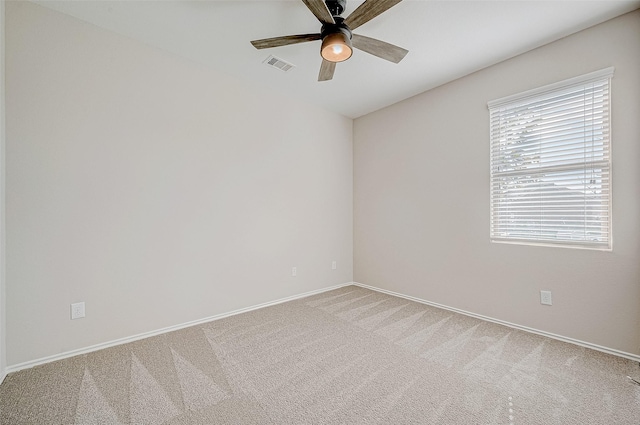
[278, 63]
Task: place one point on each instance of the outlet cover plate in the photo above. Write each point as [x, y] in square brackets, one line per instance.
[77, 310]
[545, 297]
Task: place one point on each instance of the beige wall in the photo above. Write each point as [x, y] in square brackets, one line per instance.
[156, 190]
[159, 192]
[421, 200]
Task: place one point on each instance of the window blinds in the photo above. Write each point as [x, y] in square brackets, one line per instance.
[551, 164]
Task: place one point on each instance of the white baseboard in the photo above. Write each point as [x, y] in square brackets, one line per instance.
[607, 350]
[2, 376]
[120, 341]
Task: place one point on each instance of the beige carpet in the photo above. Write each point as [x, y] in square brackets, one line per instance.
[349, 356]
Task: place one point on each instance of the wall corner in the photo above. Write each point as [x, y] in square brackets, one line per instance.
[3, 351]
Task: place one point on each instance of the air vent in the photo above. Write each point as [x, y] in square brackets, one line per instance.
[278, 63]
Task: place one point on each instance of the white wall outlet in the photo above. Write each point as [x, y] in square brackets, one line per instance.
[77, 310]
[334, 265]
[545, 297]
[294, 271]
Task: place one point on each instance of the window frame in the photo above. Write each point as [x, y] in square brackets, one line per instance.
[604, 76]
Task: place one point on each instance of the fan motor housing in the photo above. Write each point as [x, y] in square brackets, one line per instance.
[336, 7]
[339, 26]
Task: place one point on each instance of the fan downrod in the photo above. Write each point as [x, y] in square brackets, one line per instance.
[336, 7]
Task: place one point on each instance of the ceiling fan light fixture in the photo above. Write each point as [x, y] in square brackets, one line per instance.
[336, 33]
[336, 46]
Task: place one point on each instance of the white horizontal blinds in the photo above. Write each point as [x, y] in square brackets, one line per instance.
[550, 164]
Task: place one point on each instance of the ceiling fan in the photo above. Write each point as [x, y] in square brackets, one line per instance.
[336, 34]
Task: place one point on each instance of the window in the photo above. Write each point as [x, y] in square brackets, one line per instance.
[551, 164]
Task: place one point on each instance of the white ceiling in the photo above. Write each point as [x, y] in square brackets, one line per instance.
[446, 40]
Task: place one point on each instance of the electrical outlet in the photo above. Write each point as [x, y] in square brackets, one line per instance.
[334, 265]
[545, 297]
[294, 271]
[77, 310]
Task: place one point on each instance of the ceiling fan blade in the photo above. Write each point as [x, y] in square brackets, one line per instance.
[367, 11]
[326, 70]
[379, 48]
[266, 43]
[320, 10]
